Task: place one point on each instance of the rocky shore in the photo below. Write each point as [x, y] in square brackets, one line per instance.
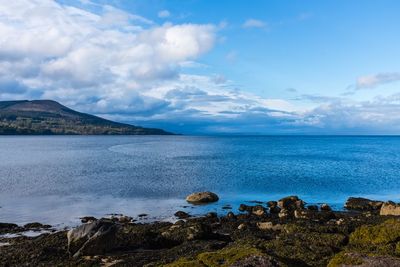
[286, 232]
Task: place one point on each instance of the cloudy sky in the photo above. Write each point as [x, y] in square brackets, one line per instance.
[210, 67]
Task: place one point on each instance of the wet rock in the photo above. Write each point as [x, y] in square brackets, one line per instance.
[8, 226]
[326, 207]
[36, 225]
[202, 197]
[97, 237]
[258, 210]
[212, 215]
[87, 219]
[273, 207]
[181, 215]
[291, 203]
[312, 207]
[230, 215]
[142, 215]
[256, 202]
[390, 208]
[269, 226]
[362, 204]
[227, 207]
[244, 207]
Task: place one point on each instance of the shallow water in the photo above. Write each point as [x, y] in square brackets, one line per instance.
[57, 179]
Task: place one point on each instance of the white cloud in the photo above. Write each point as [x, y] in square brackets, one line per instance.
[76, 56]
[164, 14]
[254, 23]
[372, 81]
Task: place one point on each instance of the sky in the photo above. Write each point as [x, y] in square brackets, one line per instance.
[210, 67]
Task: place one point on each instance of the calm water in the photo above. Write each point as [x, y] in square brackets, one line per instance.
[57, 179]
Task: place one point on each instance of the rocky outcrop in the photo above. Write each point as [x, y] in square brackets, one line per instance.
[94, 238]
[202, 197]
[390, 208]
[362, 204]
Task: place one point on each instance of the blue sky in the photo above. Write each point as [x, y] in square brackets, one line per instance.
[210, 67]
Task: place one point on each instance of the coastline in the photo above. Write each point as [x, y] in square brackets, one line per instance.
[287, 232]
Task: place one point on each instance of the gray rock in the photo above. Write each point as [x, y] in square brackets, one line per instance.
[94, 238]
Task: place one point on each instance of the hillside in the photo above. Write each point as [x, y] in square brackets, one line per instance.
[49, 117]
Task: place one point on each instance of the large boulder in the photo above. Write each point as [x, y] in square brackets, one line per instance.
[362, 204]
[94, 238]
[202, 197]
[390, 208]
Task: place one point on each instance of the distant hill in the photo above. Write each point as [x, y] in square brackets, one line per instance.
[49, 117]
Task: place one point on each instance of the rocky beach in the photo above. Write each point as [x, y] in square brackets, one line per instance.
[285, 232]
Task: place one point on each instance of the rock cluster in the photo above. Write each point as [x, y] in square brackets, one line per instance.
[286, 232]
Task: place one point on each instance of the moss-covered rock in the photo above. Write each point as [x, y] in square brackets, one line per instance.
[345, 258]
[223, 257]
[381, 239]
[227, 256]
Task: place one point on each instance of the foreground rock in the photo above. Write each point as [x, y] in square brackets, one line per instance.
[202, 197]
[258, 236]
[390, 208]
[362, 204]
[94, 238]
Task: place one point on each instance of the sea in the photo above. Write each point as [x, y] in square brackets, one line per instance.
[58, 179]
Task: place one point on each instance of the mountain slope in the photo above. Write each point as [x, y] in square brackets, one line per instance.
[50, 117]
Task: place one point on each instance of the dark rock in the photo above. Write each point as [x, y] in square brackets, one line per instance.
[256, 202]
[226, 207]
[202, 197]
[191, 231]
[291, 203]
[326, 207]
[362, 204]
[244, 207]
[142, 215]
[212, 215]
[36, 225]
[8, 226]
[87, 219]
[231, 215]
[312, 207]
[95, 238]
[258, 210]
[182, 215]
[273, 207]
